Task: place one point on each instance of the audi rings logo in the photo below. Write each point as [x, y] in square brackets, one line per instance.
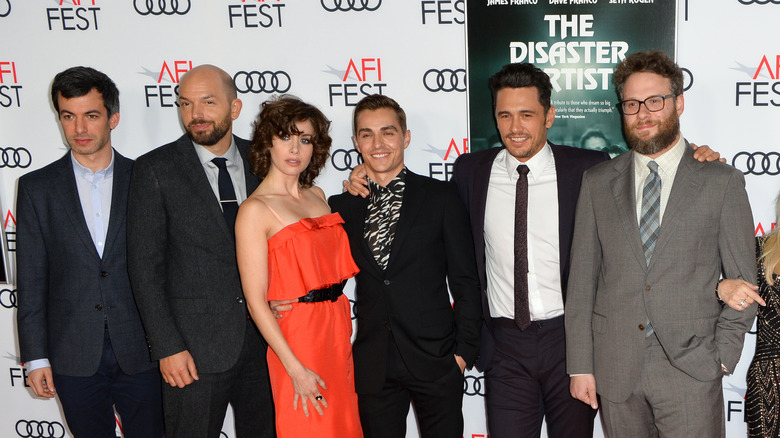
[5, 8]
[687, 79]
[759, 2]
[12, 158]
[262, 82]
[350, 5]
[8, 298]
[757, 163]
[162, 7]
[343, 159]
[446, 80]
[39, 429]
[474, 385]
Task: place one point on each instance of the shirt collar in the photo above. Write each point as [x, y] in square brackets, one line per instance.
[536, 164]
[395, 186]
[82, 171]
[667, 162]
[205, 155]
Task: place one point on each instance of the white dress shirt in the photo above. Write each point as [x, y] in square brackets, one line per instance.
[545, 299]
[235, 167]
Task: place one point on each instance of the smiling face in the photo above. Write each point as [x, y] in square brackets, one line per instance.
[291, 154]
[522, 121]
[652, 133]
[86, 124]
[381, 140]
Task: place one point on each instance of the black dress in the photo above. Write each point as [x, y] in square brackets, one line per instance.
[763, 378]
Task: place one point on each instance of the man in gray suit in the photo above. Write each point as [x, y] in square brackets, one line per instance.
[78, 323]
[654, 230]
[182, 258]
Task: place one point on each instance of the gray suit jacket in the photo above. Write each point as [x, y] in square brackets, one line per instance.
[707, 228]
[182, 258]
[67, 293]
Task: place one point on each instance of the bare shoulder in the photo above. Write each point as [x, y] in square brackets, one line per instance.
[319, 193]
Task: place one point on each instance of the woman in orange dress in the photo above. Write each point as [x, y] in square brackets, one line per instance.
[291, 247]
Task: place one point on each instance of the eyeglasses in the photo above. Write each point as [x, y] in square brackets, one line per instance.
[653, 103]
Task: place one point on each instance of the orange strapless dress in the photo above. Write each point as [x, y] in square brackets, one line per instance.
[311, 254]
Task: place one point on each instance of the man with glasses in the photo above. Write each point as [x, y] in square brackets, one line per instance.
[654, 231]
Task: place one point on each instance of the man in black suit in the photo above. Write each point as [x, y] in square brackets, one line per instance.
[525, 373]
[407, 239]
[78, 324]
[182, 258]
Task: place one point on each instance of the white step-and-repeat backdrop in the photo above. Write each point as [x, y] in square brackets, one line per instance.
[331, 53]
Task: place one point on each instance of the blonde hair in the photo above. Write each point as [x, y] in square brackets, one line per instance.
[770, 256]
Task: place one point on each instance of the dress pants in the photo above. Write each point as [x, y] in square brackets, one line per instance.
[666, 403]
[438, 404]
[89, 402]
[526, 381]
[198, 410]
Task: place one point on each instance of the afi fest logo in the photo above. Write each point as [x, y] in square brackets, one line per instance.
[443, 11]
[165, 92]
[256, 13]
[443, 169]
[764, 89]
[162, 7]
[350, 5]
[362, 77]
[9, 85]
[74, 15]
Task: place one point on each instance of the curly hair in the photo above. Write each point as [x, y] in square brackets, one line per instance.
[277, 118]
[648, 61]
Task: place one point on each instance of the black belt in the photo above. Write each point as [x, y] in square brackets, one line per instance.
[330, 293]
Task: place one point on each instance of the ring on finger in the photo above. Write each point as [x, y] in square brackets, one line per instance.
[318, 398]
[742, 303]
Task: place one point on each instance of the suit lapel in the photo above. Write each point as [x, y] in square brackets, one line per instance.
[354, 221]
[623, 191]
[69, 195]
[191, 166]
[686, 184]
[249, 178]
[568, 184]
[121, 181]
[414, 194]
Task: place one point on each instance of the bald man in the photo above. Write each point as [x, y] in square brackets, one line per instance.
[182, 263]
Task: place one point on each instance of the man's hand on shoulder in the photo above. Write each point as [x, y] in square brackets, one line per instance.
[178, 369]
[583, 388]
[357, 184]
[704, 153]
[41, 382]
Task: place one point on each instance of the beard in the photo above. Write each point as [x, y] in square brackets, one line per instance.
[668, 129]
[217, 133]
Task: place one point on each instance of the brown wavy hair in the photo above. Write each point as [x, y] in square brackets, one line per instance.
[278, 117]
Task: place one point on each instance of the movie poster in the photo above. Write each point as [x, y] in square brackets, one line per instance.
[578, 43]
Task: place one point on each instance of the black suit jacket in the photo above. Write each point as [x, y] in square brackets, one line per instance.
[67, 292]
[431, 248]
[182, 258]
[472, 177]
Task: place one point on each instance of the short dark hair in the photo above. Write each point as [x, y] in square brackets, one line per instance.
[374, 102]
[79, 81]
[650, 61]
[520, 75]
[278, 117]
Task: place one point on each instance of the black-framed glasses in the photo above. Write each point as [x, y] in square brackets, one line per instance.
[653, 103]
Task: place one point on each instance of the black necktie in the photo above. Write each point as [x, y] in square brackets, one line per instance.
[227, 195]
[522, 316]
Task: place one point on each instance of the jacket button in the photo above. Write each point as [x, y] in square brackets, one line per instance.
[387, 282]
[239, 300]
[641, 326]
[103, 274]
[647, 288]
[98, 307]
